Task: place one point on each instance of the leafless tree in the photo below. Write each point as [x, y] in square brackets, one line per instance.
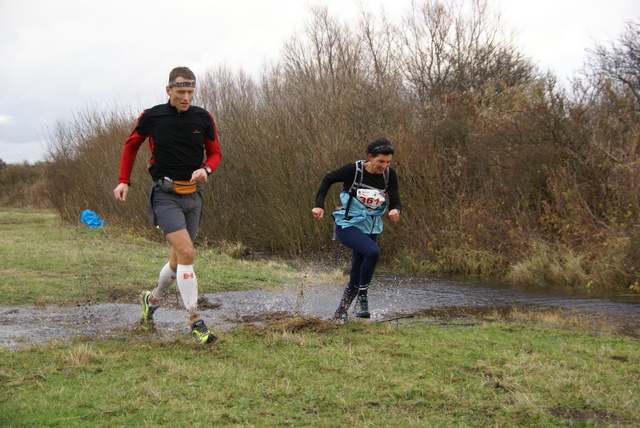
[619, 62]
[458, 46]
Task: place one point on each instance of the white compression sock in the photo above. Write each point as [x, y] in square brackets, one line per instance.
[165, 279]
[188, 286]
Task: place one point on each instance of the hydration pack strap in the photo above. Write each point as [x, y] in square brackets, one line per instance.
[354, 186]
[357, 182]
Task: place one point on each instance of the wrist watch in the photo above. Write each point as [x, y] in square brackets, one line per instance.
[207, 169]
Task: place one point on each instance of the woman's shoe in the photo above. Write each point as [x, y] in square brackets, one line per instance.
[361, 309]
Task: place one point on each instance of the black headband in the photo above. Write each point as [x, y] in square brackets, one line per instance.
[187, 83]
[382, 149]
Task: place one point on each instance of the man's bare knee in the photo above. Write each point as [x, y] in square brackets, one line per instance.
[186, 257]
[181, 247]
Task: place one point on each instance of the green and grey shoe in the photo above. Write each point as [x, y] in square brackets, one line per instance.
[146, 318]
[201, 333]
[361, 308]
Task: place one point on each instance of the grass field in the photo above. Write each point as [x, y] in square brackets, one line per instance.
[293, 372]
[44, 261]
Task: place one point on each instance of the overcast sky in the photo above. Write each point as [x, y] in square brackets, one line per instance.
[60, 57]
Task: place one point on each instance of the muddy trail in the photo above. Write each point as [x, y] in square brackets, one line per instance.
[391, 299]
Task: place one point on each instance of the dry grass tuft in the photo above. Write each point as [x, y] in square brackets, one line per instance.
[559, 318]
[235, 250]
[550, 265]
[42, 301]
[298, 324]
[83, 355]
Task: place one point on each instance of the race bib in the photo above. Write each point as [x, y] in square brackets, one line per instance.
[371, 198]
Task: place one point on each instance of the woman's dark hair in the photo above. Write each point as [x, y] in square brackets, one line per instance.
[381, 146]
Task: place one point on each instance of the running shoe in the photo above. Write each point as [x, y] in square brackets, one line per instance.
[341, 316]
[201, 333]
[146, 318]
[361, 309]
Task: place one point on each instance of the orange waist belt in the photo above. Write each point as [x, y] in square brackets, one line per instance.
[178, 186]
[184, 187]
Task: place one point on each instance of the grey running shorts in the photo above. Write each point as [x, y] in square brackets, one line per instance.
[171, 212]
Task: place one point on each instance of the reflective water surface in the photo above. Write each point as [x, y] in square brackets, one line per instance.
[394, 296]
[404, 295]
[391, 297]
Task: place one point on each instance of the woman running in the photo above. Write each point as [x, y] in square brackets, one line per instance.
[366, 186]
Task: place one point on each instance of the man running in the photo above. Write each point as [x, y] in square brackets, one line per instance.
[184, 151]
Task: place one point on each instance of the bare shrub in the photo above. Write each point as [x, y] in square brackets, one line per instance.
[84, 169]
[21, 185]
[500, 169]
[313, 112]
[631, 260]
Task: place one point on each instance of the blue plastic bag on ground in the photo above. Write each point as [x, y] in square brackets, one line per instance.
[91, 219]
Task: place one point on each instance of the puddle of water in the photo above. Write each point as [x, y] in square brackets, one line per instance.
[406, 295]
[393, 297]
[390, 297]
